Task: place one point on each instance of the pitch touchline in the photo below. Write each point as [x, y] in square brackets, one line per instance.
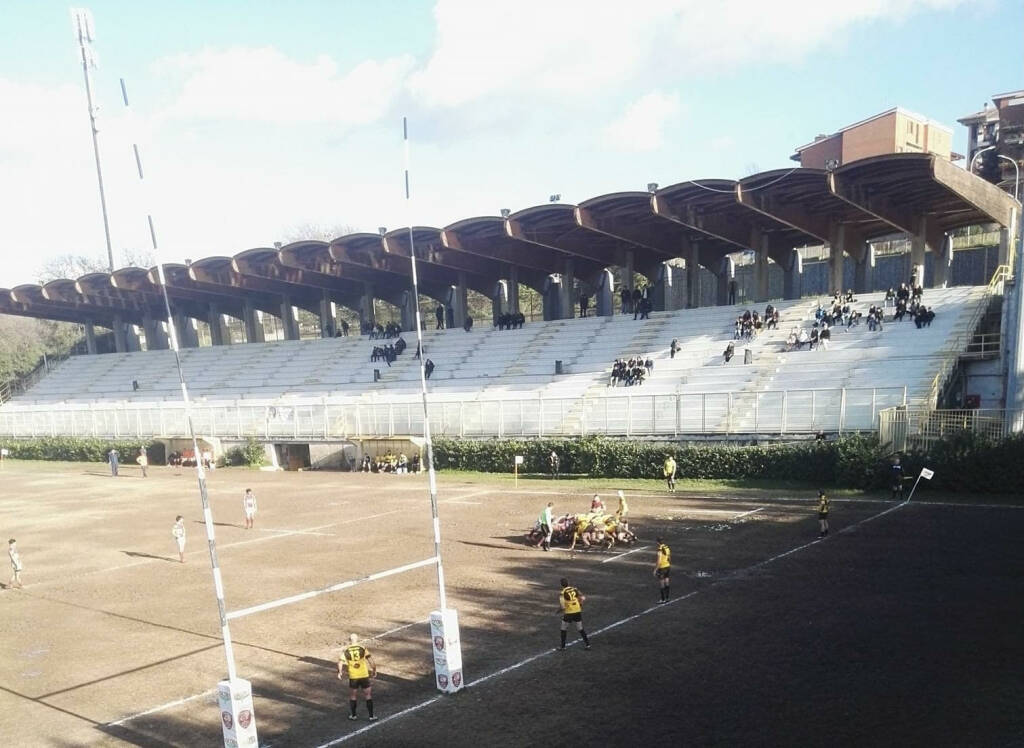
[745, 514]
[609, 627]
[623, 555]
[324, 590]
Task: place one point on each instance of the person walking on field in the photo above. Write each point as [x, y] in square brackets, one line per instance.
[623, 510]
[143, 460]
[669, 471]
[112, 458]
[249, 507]
[823, 509]
[178, 533]
[355, 662]
[12, 551]
[663, 568]
[554, 463]
[571, 602]
[546, 524]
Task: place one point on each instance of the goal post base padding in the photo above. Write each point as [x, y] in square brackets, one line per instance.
[444, 635]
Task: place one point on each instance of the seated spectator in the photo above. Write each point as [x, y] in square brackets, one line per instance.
[802, 338]
[890, 297]
[627, 300]
[824, 337]
[428, 368]
[901, 309]
[814, 336]
[772, 320]
[673, 347]
[730, 351]
[849, 295]
[791, 340]
[468, 324]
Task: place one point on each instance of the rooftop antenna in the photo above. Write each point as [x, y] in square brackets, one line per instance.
[81, 20]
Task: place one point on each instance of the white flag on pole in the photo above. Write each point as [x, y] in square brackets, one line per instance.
[927, 474]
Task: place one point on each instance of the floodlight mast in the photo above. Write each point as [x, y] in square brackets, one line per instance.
[82, 20]
[218, 584]
[431, 474]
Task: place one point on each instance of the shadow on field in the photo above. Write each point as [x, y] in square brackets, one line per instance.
[140, 554]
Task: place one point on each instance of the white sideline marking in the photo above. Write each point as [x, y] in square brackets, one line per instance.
[162, 707]
[324, 590]
[609, 627]
[747, 514]
[466, 503]
[622, 555]
[582, 550]
[295, 532]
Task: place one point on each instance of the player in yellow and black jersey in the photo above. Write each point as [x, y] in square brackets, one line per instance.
[823, 509]
[663, 568]
[355, 662]
[571, 602]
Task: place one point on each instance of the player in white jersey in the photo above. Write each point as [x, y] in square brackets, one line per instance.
[249, 507]
[178, 533]
[12, 551]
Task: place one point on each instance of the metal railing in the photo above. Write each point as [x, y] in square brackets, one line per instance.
[961, 342]
[903, 428]
[766, 412]
[18, 385]
[984, 345]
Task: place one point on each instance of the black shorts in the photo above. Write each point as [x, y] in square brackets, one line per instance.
[572, 617]
[359, 683]
[663, 573]
[822, 516]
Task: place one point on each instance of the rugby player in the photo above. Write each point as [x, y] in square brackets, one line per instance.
[571, 602]
[356, 662]
[663, 568]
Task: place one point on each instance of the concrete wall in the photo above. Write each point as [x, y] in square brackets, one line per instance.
[984, 378]
[333, 456]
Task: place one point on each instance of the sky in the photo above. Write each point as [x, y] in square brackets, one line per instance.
[257, 119]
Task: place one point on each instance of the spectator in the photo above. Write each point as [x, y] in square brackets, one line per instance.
[649, 365]
[428, 368]
[802, 338]
[439, 313]
[645, 308]
[468, 324]
[824, 337]
[584, 301]
[673, 347]
[890, 297]
[627, 300]
[554, 463]
[637, 298]
[730, 351]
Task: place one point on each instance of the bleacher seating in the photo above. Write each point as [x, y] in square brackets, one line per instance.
[487, 364]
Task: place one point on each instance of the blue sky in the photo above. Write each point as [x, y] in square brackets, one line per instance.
[258, 118]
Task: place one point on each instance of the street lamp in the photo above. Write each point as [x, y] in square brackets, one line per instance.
[970, 167]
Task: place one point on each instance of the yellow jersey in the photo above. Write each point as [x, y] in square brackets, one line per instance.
[622, 510]
[823, 505]
[664, 556]
[569, 597]
[669, 468]
[356, 664]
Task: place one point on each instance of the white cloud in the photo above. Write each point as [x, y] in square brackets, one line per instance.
[641, 127]
[264, 85]
[589, 49]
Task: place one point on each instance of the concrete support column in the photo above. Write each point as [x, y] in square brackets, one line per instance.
[253, 326]
[759, 243]
[837, 238]
[131, 339]
[326, 317]
[289, 324]
[1008, 238]
[726, 282]
[569, 297]
[408, 311]
[120, 342]
[458, 303]
[793, 281]
[513, 289]
[219, 334]
[864, 270]
[499, 300]
[692, 258]
[552, 298]
[943, 260]
[661, 293]
[928, 237]
[629, 269]
[156, 336]
[90, 338]
[604, 299]
[186, 331]
[366, 313]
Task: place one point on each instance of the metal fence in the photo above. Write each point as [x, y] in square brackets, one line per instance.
[903, 428]
[766, 412]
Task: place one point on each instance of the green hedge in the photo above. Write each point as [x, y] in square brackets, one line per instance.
[83, 450]
[963, 463]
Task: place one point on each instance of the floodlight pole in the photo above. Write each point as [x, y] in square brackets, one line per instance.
[431, 474]
[84, 32]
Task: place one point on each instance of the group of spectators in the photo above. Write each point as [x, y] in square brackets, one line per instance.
[750, 324]
[818, 337]
[511, 321]
[636, 301]
[390, 463]
[631, 372]
[389, 352]
[378, 332]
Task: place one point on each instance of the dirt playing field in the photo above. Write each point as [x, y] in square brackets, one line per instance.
[903, 627]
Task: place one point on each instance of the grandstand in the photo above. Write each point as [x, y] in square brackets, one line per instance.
[503, 382]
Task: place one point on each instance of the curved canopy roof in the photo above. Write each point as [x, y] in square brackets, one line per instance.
[778, 209]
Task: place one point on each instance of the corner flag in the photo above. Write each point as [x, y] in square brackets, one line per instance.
[927, 474]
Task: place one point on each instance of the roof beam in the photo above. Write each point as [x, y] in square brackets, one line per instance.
[766, 203]
[856, 194]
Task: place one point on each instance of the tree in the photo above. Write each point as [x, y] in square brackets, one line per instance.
[316, 232]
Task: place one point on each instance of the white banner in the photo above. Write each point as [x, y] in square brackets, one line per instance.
[236, 715]
[444, 639]
[927, 474]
